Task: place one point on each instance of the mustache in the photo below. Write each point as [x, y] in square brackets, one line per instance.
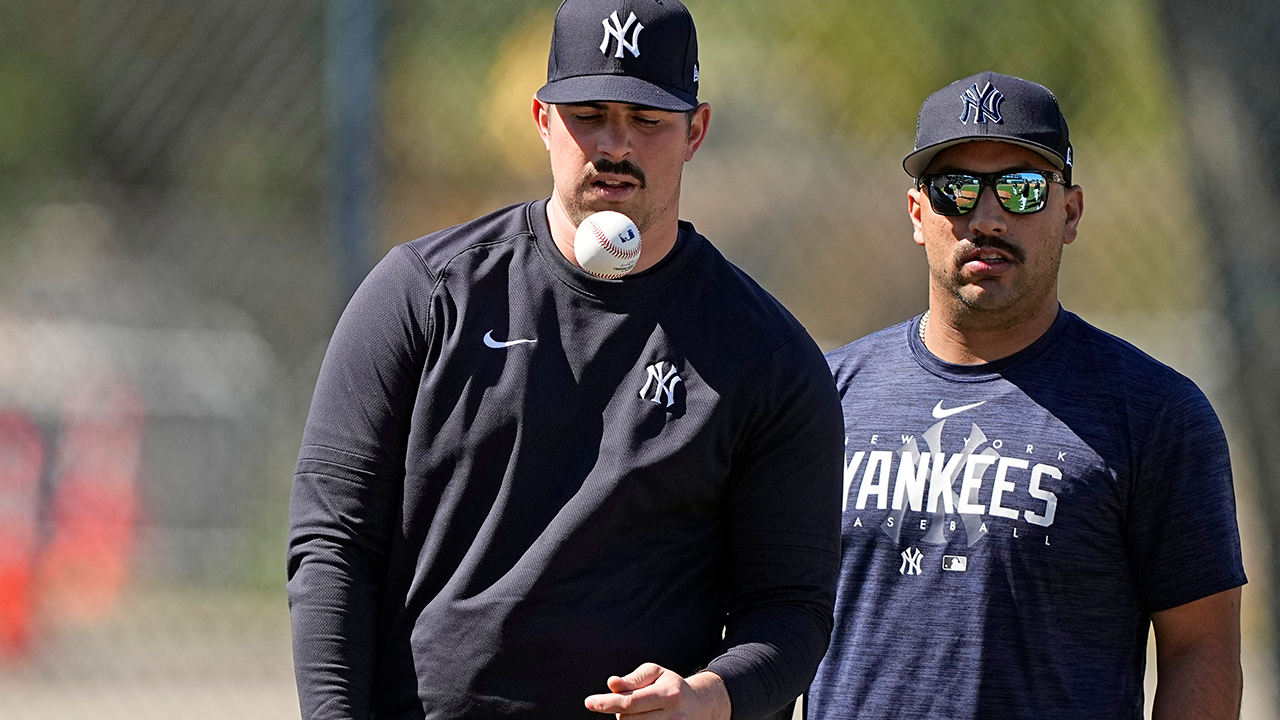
[981, 241]
[624, 167]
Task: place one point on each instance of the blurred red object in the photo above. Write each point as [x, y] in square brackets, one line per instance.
[86, 563]
[21, 460]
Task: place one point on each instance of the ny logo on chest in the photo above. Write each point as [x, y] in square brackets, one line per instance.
[660, 381]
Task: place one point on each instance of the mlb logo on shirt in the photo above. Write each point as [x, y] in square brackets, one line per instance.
[955, 563]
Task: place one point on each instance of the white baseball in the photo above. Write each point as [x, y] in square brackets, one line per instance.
[607, 244]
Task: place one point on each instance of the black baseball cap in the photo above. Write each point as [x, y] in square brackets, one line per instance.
[991, 106]
[643, 52]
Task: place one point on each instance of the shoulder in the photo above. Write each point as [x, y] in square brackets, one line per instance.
[744, 333]
[1124, 367]
[1120, 381]
[882, 347]
[500, 231]
[739, 303]
[399, 288]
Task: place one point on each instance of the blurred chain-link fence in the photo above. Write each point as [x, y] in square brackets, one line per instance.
[169, 272]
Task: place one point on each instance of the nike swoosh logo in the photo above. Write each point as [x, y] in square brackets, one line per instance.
[939, 413]
[498, 344]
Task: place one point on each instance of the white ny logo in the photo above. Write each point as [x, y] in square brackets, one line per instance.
[665, 381]
[985, 104]
[911, 558]
[619, 31]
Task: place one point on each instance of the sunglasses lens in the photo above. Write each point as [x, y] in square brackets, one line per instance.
[1022, 192]
[953, 194]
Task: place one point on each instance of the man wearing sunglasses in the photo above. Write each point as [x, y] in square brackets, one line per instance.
[1024, 495]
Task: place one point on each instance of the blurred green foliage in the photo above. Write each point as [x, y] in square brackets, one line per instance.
[42, 99]
[43, 104]
[863, 68]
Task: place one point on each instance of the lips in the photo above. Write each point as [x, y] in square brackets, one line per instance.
[987, 261]
[613, 187]
[986, 256]
[989, 254]
[987, 267]
[612, 182]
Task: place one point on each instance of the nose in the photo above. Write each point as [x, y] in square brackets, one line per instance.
[614, 140]
[988, 218]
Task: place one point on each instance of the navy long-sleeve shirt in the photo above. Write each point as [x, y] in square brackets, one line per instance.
[517, 480]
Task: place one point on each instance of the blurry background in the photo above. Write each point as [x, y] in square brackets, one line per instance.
[188, 192]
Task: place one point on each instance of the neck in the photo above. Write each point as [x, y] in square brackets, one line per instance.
[655, 242]
[963, 336]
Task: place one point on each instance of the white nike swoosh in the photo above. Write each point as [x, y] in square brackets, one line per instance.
[939, 413]
[497, 344]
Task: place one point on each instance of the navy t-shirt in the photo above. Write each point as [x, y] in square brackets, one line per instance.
[1010, 527]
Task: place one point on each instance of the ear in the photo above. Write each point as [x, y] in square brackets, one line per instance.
[542, 118]
[915, 209]
[698, 130]
[1075, 209]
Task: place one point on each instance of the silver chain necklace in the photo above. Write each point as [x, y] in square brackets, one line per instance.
[924, 323]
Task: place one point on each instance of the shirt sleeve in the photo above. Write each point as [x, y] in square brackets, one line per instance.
[347, 486]
[784, 536]
[1182, 536]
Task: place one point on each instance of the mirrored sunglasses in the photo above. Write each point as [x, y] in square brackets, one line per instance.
[1021, 192]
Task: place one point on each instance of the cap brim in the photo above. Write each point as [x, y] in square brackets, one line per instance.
[616, 88]
[917, 162]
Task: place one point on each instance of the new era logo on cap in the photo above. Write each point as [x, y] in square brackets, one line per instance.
[643, 52]
[991, 106]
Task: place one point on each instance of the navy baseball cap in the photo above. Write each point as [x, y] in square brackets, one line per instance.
[643, 52]
[991, 106]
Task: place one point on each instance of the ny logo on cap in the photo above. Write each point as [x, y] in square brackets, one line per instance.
[619, 31]
[984, 105]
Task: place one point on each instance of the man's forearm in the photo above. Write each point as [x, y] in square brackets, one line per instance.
[771, 657]
[335, 559]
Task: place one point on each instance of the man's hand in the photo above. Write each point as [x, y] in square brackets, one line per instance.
[661, 694]
[1198, 659]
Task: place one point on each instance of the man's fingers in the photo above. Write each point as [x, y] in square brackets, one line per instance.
[649, 687]
[628, 703]
[659, 714]
[643, 676]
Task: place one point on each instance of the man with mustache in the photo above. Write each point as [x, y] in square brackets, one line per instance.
[528, 492]
[1024, 495]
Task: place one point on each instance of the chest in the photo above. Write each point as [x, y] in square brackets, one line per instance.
[944, 480]
[579, 394]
